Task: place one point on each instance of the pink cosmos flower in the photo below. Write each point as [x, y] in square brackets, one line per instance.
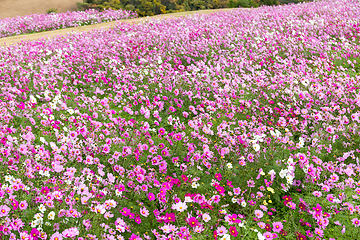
[177, 137]
[56, 236]
[291, 205]
[106, 149]
[259, 213]
[180, 206]
[251, 183]
[71, 232]
[221, 230]
[216, 198]
[317, 194]
[356, 222]
[268, 235]
[277, 227]
[4, 210]
[261, 225]
[144, 212]
[330, 197]
[165, 152]
[237, 191]
[319, 232]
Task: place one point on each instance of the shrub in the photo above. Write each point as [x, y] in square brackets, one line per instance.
[51, 10]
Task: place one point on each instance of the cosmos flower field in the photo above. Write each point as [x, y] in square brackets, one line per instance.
[233, 125]
[47, 22]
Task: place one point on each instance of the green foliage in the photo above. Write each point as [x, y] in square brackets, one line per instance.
[288, 1]
[242, 3]
[269, 2]
[155, 7]
[51, 10]
[149, 8]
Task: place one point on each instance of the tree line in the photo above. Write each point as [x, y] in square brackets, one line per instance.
[155, 7]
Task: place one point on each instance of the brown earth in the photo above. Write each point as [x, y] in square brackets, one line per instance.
[50, 34]
[13, 8]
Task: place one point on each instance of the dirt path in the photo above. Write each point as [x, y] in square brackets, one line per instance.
[50, 34]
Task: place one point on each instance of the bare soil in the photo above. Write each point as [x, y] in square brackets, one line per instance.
[13, 8]
[61, 32]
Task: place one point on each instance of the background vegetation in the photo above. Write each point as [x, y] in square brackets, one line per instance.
[155, 7]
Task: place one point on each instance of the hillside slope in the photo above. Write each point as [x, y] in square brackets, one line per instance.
[16, 39]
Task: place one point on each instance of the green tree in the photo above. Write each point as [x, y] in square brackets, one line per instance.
[269, 2]
[242, 3]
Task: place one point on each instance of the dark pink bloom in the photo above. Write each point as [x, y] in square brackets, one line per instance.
[151, 196]
[193, 222]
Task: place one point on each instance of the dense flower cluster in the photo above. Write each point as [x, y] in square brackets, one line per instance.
[47, 22]
[234, 124]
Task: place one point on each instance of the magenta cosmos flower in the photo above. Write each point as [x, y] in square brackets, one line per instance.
[161, 131]
[151, 196]
[193, 221]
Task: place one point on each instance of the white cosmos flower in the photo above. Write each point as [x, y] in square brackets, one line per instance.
[259, 138]
[188, 199]
[256, 147]
[8, 178]
[38, 216]
[242, 224]
[206, 217]
[260, 236]
[278, 133]
[283, 173]
[42, 208]
[272, 133]
[32, 99]
[51, 215]
[194, 185]
[289, 179]
[272, 172]
[180, 206]
[225, 237]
